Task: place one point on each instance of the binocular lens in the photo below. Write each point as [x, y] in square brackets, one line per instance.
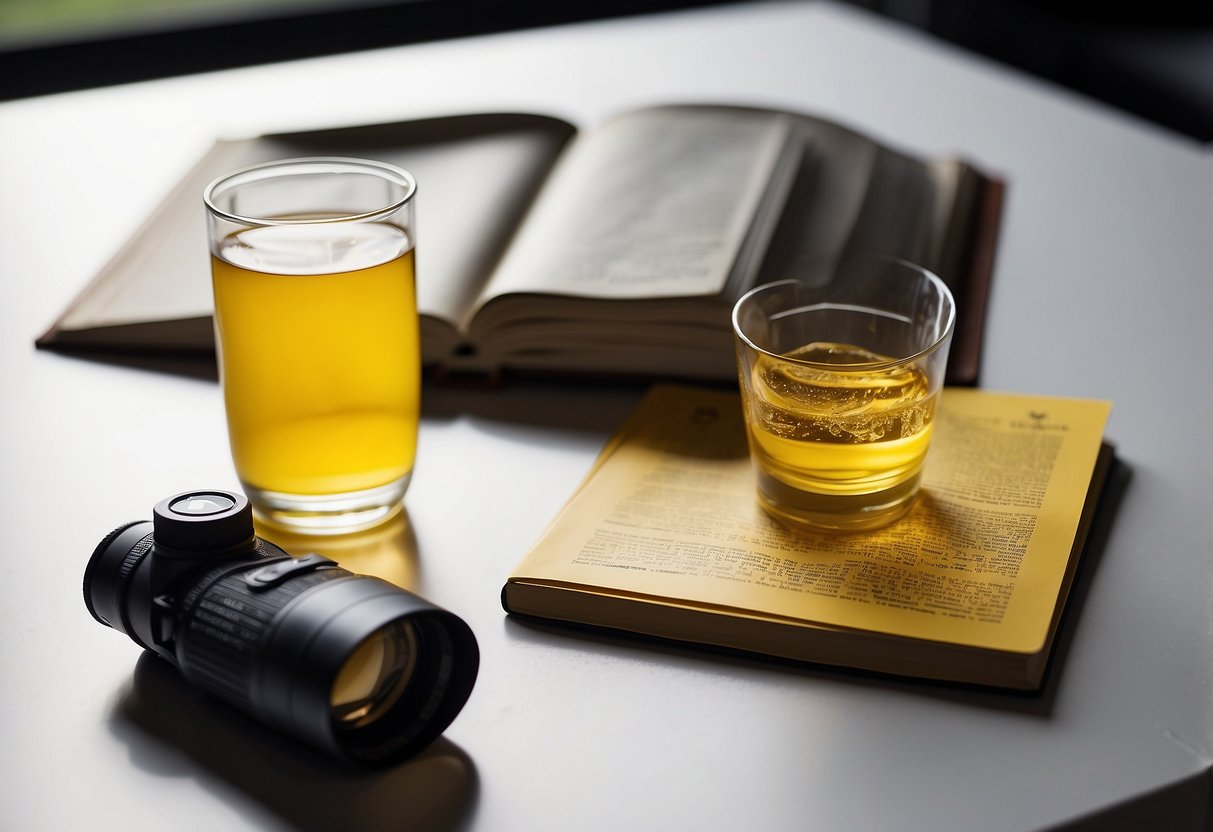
[374, 677]
[352, 664]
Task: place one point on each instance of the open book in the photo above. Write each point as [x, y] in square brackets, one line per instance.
[665, 538]
[617, 251]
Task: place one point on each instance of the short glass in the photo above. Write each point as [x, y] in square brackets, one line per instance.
[316, 331]
[839, 385]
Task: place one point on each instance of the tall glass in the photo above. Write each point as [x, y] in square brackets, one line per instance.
[839, 384]
[317, 336]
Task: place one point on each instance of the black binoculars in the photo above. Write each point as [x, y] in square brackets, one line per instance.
[352, 664]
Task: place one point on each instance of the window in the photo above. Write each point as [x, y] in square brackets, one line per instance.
[56, 45]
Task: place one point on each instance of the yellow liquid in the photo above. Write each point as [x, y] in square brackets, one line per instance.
[839, 447]
[319, 356]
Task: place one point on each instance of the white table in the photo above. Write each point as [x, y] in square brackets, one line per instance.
[1103, 288]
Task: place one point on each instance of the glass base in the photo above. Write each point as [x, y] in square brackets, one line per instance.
[810, 511]
[324, 514]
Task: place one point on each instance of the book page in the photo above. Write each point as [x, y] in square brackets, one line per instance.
[471, 193]
[655, 203]
[851, 195]
[669, 511]
[475, 177]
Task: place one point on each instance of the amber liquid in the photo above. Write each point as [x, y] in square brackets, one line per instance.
[319, 356]
[838, 444]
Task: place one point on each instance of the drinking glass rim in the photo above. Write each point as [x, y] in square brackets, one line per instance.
[313, 164]
[933, 278]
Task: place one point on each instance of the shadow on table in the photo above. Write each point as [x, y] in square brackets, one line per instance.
[174, 730]
[1031, 703]
[565, 403]
[599, 406]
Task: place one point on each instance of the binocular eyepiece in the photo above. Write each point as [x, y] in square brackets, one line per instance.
[350, 663]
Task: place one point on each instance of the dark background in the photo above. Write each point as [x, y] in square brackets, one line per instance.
[1152, 59]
